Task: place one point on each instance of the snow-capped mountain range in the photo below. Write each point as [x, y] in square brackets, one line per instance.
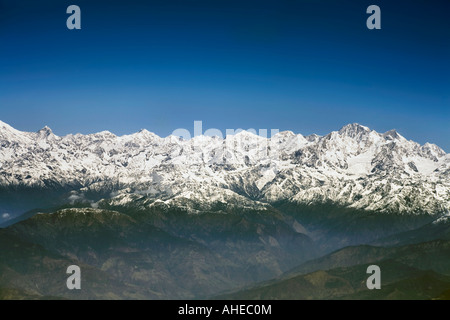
[355, 167]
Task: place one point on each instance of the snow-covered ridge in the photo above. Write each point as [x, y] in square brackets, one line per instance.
[354, 166]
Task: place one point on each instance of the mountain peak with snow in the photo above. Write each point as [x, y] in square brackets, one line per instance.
[392, 135]
[4, 125]
[353, 128]
[45, 133]
[243, 134]
[285, 134]
[354, 167]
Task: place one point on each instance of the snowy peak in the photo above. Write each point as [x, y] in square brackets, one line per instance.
[144, 134]
[392, 135]
[285, 134]
[10, 135]
[6, 129]
[4, 126]
[312, 137]
[354, 130]
[355, 167]
[45, 133]
[433, 150]
[244, 135]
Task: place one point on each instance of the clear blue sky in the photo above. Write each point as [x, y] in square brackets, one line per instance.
[307, 66]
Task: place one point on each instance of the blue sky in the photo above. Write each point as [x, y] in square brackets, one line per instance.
[307, 66]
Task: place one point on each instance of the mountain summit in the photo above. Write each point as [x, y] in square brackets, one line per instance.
[353, 167]
[353, 130]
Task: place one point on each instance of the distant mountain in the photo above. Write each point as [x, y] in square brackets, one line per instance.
[151, 255]
[414, 265]
[437, 229]
[162, 253]
[420, 271]
[431, 250]
[354, 167]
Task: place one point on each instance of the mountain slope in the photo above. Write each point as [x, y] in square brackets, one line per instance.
[418, 271]
[437, 229]
[146, 255]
